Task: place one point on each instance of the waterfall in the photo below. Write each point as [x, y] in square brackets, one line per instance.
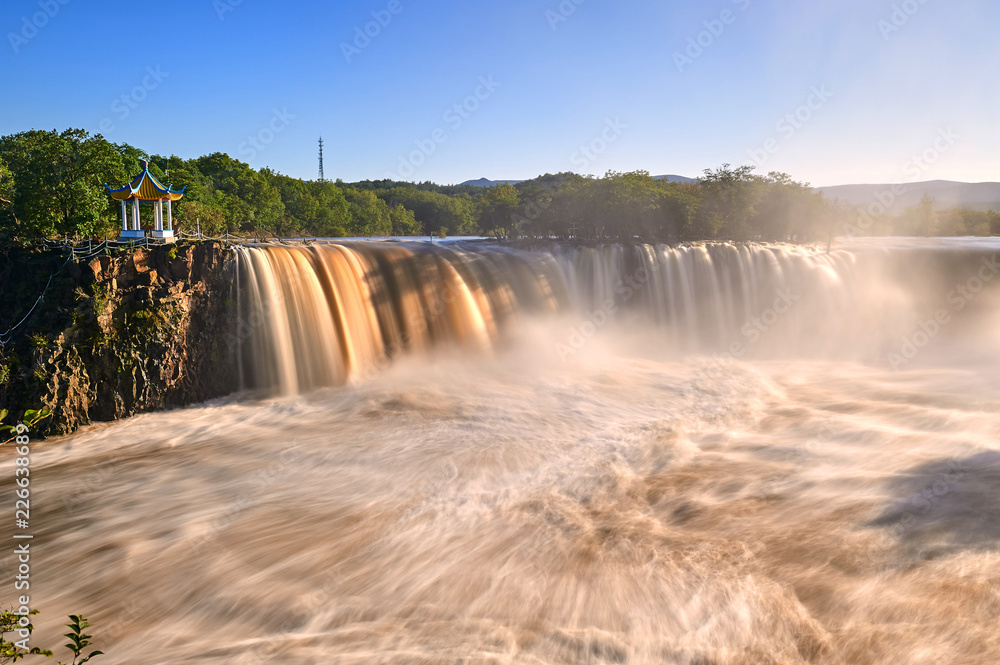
[330, 314]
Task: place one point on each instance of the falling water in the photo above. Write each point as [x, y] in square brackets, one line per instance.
[330, 314]
[726, 454]
[326, 314]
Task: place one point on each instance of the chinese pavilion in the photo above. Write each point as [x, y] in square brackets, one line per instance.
[146, 189]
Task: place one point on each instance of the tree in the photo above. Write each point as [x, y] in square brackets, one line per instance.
[300, 206]
[496, 209]
[629, 203]
[403, 222]
[7, 220]
[333, 213]
[730, 196]
[369, 214]
[433, 210]
[926, 217]
[60, 180]
[192, 215]
[6, 185]
[787, 210]
[923, 220]
[679, 204]
[249, 201]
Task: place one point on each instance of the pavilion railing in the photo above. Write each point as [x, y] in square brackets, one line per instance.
[84, 250]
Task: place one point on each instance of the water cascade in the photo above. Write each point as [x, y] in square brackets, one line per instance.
[325, 315]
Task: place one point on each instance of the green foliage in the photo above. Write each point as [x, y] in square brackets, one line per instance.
[192, 214]
[58, 183]
[250, 203]
[310, 208]
[496, 210]
[919, 220]
[6, 185]
[9, 650]
[52, 184]
[731, 203]
[369, 214]
[78, 640]
[404, 223]
[924, 219]
[433, 210]
[730, 197]
[99, 290]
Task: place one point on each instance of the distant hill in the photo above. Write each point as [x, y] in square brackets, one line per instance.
[486, 182]
[946, 193]
[676, 178]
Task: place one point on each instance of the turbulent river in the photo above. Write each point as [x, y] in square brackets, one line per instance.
[701, 455]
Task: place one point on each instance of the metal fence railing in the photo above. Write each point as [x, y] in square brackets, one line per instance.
[86, 249]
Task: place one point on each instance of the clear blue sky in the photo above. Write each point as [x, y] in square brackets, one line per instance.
[890, 90]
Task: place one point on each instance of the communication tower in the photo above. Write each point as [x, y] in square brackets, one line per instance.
[322, 178]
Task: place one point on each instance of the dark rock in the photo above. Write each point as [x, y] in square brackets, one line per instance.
[147, 278]
[96, 268]
[141, 261]
[132, 333]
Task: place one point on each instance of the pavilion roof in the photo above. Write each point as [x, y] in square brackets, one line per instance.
[145, 187]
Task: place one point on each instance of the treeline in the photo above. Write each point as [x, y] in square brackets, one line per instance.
[52, 184]
[731, 203]
[924, 219]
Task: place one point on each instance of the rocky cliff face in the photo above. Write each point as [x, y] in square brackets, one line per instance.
[124, 333]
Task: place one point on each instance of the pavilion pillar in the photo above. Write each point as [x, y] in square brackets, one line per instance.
[124, 216]
[170, 215]
[158, 220]
[136, 224]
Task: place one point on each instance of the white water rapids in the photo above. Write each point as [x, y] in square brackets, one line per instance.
[703, 455]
